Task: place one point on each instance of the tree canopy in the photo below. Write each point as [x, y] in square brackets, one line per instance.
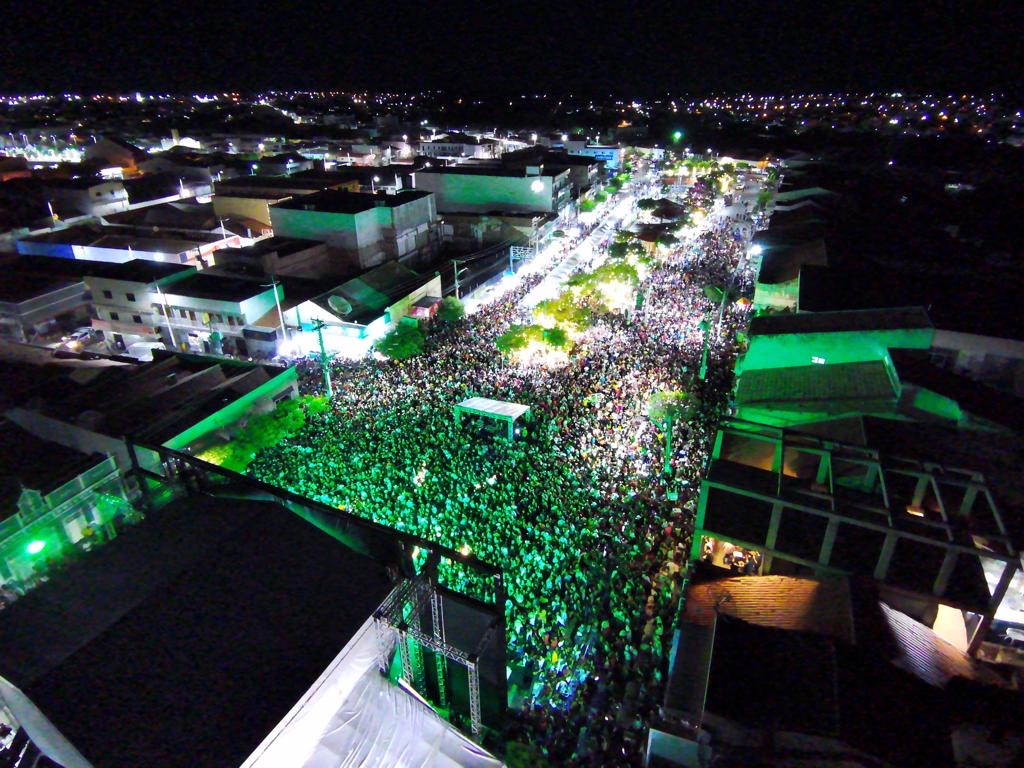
[450, 310]
[405, 341]
[669, 406]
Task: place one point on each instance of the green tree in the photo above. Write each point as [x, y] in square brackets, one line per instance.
[586, 206]
[556, 337]
[665, 409]
[404, 341]
[451, 310]
[647, 204]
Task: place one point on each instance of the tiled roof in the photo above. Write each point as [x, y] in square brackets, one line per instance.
[783, 602]
[928, 657]
[864, 381]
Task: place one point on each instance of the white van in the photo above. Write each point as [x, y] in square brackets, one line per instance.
[143, 350]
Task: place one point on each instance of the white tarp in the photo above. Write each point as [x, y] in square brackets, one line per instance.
[39, 729]
[352, 717]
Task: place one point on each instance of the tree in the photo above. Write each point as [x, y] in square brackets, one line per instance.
[664, 409]
[586, 206]
[451, 310]
[405, 341]
[647, 204]
[556, 337]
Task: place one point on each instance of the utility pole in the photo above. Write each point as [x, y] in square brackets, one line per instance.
[704, 326]
[318, 326]
[458, 271]
[277, 301]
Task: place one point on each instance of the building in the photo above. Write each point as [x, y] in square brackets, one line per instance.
[87, 197]
[460, 145]
[365, 229]
[125, 296]
[789, 671]
[611, 156]
[252, 196]
[216, 313]
[285, 163]
[488, 189]
[38, 303]
[92, 242]
[190, 216]
[282, 256]
[113, 151]
[360, 311]
[179, 401]
[927, 533]
[585, 173]
[53, 497]
[197, 166]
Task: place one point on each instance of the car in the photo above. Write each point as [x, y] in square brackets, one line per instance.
[83, 336]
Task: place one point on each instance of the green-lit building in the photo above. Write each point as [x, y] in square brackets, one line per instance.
[185, 402]
[51, 497]
[492, 188]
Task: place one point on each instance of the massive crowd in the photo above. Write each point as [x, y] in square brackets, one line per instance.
[574, 510]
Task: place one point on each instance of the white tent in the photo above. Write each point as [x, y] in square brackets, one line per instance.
[353, 717]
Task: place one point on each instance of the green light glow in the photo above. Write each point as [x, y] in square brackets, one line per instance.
[35, 547]
[677, 136]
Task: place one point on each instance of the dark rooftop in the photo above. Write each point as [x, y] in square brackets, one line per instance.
[136, 270]
[344, 202]
[37, 464]
[213, 286]
[488, 170]
[855, 321]
[185, 641]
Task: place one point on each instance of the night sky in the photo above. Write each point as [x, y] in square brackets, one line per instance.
[627, 47]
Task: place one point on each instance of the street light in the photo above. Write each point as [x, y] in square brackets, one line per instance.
[373, 184]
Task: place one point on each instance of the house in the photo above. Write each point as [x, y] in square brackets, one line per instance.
[112, 151]
[585, 173]
[365, 229]
[87, 197]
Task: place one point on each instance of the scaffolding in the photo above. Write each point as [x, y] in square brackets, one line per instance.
[398, 619]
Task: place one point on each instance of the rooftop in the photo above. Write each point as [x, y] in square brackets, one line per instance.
[151, 402]
[29, 462]
[488, 170]
[135, 270]
[187, 641]
[345, 202]
[218, 287]
[854, 321]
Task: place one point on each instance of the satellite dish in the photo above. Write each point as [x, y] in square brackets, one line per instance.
[340, 305]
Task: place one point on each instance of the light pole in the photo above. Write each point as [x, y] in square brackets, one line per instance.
[706, 327]
[373, 184]
[318, 326]
[455, 265]
[277, 301]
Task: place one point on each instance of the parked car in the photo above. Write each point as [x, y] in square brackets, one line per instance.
[79, 339]
[143, 350]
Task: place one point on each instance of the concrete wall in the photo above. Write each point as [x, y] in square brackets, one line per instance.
[257, 208]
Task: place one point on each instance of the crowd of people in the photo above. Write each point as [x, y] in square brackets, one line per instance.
[591, 537]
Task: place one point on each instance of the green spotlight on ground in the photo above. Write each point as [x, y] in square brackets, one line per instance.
[35, 547]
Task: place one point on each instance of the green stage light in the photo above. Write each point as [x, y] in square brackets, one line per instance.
[677, 136]
[35, 547]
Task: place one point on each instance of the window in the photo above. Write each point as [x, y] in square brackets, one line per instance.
[114, 316]
[158, 309]
[130, 296]
[231, 320]
[183, 313]
[137, 319]
[218, 318]
[191, 315]
[108, 294]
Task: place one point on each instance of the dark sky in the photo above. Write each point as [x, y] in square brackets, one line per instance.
[630, 46]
